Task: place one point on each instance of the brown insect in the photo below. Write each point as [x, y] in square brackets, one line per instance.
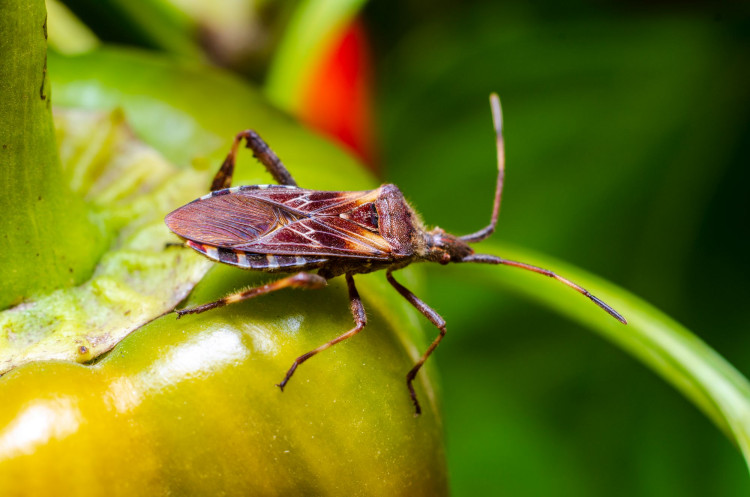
[286, 229]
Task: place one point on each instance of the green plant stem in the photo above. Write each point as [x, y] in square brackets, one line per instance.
[49, 240]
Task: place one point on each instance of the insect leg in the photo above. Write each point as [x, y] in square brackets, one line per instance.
[299, 280]
[360, 320]
[430, 314]
[262, 152]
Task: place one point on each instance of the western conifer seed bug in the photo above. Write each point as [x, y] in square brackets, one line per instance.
[286, 229]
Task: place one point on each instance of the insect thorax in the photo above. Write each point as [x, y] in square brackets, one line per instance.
[398, 224]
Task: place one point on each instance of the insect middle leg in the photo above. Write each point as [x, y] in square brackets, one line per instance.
[360, 320]
[435, 318]
[299, 280]
[262, 152]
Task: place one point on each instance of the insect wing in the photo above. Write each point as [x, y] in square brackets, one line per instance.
[281, 220]
[224, 220]
[330, 236]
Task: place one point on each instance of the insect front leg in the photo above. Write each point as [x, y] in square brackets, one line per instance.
[360, 320]
[435, 318]
[299, 280]
[262, 152]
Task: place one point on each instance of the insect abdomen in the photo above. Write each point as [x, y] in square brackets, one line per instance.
[249, 260]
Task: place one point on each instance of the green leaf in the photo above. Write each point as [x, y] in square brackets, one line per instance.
[130, 186]
[672, 351]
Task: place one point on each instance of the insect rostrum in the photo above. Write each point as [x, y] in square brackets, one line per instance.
[286, 229]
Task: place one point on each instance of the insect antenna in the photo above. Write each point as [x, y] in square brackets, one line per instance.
[497, 119]
[491, 259]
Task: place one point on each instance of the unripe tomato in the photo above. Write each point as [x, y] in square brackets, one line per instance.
[189, 406]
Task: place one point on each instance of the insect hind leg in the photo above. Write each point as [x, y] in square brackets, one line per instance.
[299, 280]
[262, 152]
[360, 320]
[434, 318]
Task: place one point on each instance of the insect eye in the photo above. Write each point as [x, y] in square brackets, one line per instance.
[445, 258]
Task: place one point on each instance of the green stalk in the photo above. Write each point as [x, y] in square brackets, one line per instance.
[49, 239]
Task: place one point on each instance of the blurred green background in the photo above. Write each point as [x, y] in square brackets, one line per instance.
[628, 144]
[628, 147]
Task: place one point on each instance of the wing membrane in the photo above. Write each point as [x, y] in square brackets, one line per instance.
[283, 221]
[224, 221]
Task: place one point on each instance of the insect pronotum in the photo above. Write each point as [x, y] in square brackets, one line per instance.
[286, 229]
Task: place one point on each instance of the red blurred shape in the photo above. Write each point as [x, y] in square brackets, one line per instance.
[337, 101]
